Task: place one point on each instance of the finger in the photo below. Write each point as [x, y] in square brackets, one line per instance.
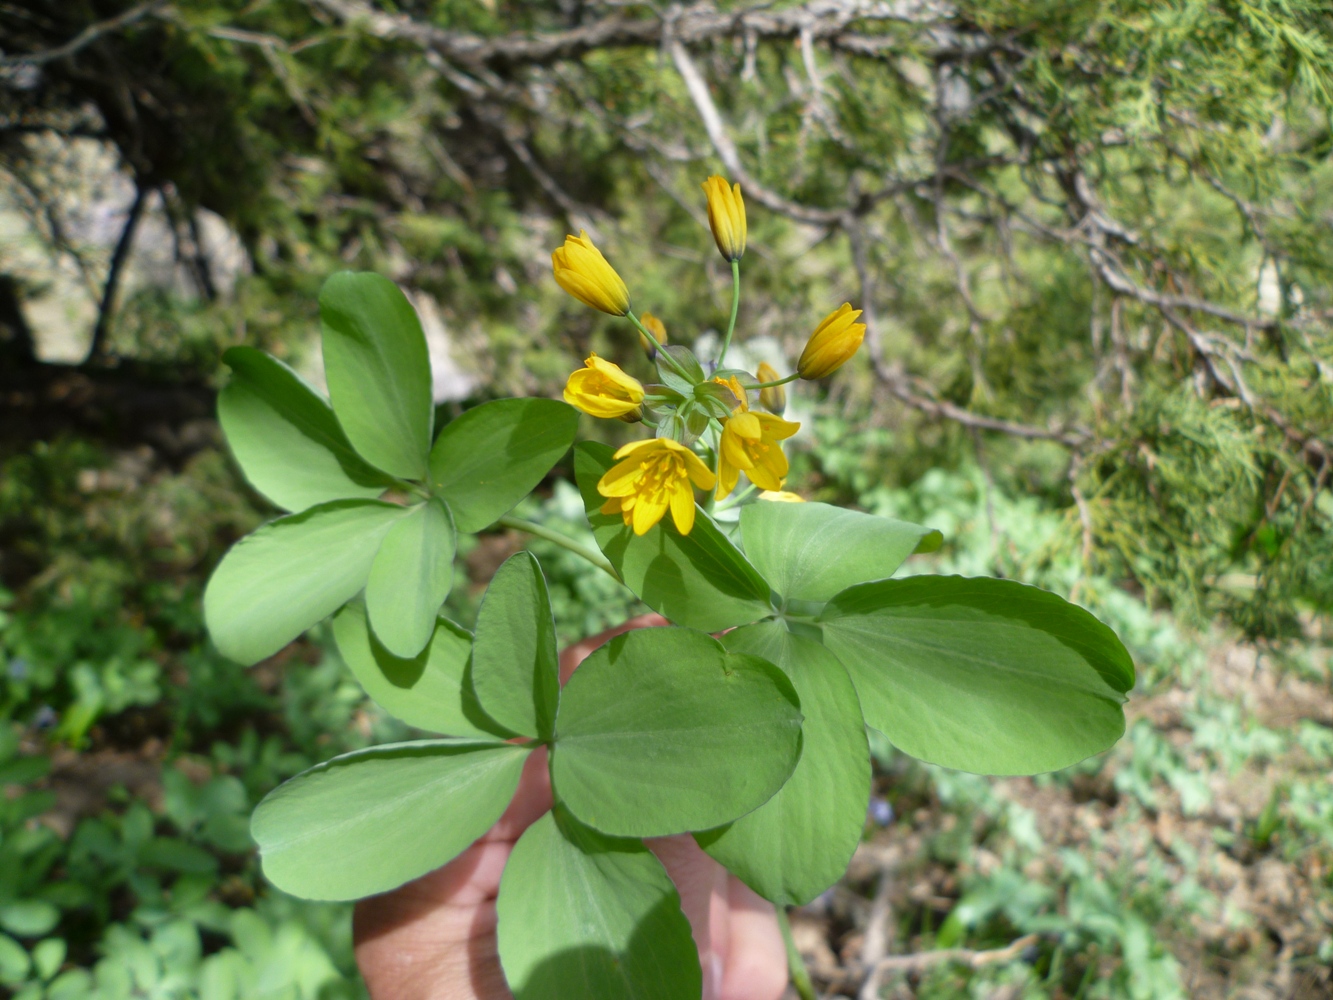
[702, 884]
[573, 655]
[755, 962]
[435, 936]
[532, 799]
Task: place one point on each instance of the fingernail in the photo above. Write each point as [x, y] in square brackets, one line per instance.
[712, 971]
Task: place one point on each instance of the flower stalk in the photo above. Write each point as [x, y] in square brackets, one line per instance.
[564, 541]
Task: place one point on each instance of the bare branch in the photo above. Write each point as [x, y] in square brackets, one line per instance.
[118, 258]
[826, 20]
[726, 148]
[920, 962]
[85, 37]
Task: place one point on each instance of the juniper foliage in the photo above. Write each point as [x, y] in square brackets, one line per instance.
[1093, 239]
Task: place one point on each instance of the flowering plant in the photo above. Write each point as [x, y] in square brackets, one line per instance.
[744, 724]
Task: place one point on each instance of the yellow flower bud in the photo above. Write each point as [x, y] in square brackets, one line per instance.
[772, 398]
[602, 390]
[726, 214]
[781, 496]
[582, 271]
[658, 329]
[833, 342]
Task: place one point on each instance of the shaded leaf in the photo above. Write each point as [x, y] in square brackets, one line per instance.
[662, 731]
[515, 667]
[410, 578]
[285, 437]
[810, 551]
[800, 841]
[582, 915]
[981, 675]
[431, 690]
[495, 454]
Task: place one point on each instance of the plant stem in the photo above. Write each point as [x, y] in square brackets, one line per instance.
[733, 501]
[564, 541]
[735, 307]
[768, 385]
[800, 978]
[661, 352]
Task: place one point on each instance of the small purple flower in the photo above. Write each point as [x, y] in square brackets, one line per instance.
[880, 812]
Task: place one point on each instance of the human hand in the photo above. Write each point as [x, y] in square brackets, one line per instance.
[434, 938]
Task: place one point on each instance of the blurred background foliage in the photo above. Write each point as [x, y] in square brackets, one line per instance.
[1093, 240]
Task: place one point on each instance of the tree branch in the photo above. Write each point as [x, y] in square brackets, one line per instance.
[825, 20]
[85, 37]
[118, 258]
[726, 148]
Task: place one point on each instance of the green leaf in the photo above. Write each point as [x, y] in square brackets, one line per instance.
[368, 821]
[29, 917]
[673, 379]
[431, 690]
[810, 551]
[291, 573]
[285, 437]
[700, 579]
[48, 956]
[378, 370]
[800, 841]
[177, 855]
[493, 456]
[581, 915]
[515, 667]
[410, 578]
[663, 731]
[981, 675]
[14, 962]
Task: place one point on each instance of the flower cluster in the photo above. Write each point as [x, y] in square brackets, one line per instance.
[706, 432]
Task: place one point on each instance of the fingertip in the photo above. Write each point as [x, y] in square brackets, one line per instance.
[756, 960]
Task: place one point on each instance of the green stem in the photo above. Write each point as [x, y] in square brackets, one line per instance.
[800, 978]
[564, 541]
[733, 501]
[735, 307]
[661, 353]
[768, 385]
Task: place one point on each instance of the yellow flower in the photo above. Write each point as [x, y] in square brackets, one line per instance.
[582, 271]
[726, 214]
[750, 445]
[734, 384]
[654, 476]
[602, 390]
[833, 342]
[781, 496]
[774, 397]
[658, 329]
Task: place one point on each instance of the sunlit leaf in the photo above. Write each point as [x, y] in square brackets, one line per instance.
[982, 675]
[292, 573]
[378, 370]
[368, 821]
